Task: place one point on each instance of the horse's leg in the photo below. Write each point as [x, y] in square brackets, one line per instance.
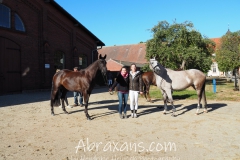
[204, 101]
[203, 95]
[53, 95]
[199, 101]
[66, 100]
[169, 95]
[63, 97]
[145, 90]
[86, 99]
[148, 94]
[165, 101]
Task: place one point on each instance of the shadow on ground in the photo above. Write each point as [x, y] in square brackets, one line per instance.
[32, 97]
[145, 109]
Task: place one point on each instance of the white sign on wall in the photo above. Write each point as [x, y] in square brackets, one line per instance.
[47, 65]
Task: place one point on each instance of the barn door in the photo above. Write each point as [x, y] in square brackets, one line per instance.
[10, 66]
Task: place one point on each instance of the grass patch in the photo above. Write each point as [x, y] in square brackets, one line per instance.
[225, 91]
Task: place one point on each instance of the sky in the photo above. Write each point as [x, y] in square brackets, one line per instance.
[122, 22]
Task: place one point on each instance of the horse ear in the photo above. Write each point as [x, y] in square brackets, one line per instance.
[105, 56]
[100, 56]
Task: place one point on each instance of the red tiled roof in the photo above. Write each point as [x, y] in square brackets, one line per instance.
[134, 53]
[113, 65]
[217, 41]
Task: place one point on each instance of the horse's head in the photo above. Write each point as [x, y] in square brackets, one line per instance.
[102, 64]
[154, 66]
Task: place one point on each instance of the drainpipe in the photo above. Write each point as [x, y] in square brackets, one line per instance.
[95, 50]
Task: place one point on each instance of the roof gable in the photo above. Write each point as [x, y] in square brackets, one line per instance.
[217, 41]
[113, 65]
[75, 22]
[129, 53]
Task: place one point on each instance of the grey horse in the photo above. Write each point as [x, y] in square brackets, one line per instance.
[168, 80]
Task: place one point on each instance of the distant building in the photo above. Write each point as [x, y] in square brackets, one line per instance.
[214, 71]
[125, 55]
[37, 37]
[118, 56]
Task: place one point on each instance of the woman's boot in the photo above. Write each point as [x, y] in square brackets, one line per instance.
[132, 114]
[135, 114]
[120, 115]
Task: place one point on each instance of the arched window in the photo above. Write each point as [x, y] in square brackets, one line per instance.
[5, 16]
[82, 61]
[59, 60]
[19, 26]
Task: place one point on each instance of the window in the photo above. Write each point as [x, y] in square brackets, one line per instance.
[214, 69]
[82, 61]
[59, 60]
[19, 26]
[5, 17]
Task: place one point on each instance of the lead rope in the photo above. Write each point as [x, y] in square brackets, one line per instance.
[105, 81]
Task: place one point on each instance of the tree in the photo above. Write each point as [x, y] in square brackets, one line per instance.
[180, 46]
[228, 55]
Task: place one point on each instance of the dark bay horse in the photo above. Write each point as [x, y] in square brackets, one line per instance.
[168, 80]
[148, 79]
[82, 81]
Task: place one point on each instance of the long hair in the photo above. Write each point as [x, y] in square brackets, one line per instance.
[122, 68]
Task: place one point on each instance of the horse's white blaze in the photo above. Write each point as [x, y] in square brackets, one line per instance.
[188, 79]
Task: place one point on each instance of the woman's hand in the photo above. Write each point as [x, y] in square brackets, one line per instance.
[110, 91]
[141, 92]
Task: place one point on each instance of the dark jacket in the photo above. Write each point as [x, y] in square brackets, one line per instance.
[136, 82]
[121, 83]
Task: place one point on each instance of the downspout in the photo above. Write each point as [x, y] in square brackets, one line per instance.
[95, 50]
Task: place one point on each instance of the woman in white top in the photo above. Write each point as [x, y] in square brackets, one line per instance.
[135, 87]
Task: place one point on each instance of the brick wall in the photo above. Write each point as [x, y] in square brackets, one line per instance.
[48, 30]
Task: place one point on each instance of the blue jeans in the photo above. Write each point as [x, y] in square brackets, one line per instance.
[75, 95]
[123, 98]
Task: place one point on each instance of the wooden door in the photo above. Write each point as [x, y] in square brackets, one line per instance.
[10, 66]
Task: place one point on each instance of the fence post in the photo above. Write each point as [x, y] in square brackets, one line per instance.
[214, 86]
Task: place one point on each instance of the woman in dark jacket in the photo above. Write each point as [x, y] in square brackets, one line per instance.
[122, 83]
[135, 87]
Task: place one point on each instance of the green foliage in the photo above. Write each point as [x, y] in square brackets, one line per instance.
[173, 44]
[145, 68]
[228, 56]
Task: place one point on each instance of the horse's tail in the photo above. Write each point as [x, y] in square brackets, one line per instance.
[203, 94]
[55, 96]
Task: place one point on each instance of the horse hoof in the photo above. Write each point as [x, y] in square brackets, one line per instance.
[53, 114]
[205, 111]
[88, 118]
[66, 112]
[196, 114]
[173, 115]
[164, 113]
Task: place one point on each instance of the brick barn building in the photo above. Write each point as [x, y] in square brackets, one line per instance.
[36, 38]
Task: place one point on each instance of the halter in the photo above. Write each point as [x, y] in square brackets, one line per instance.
[154, 67]
[161, 77]
[104, 77]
